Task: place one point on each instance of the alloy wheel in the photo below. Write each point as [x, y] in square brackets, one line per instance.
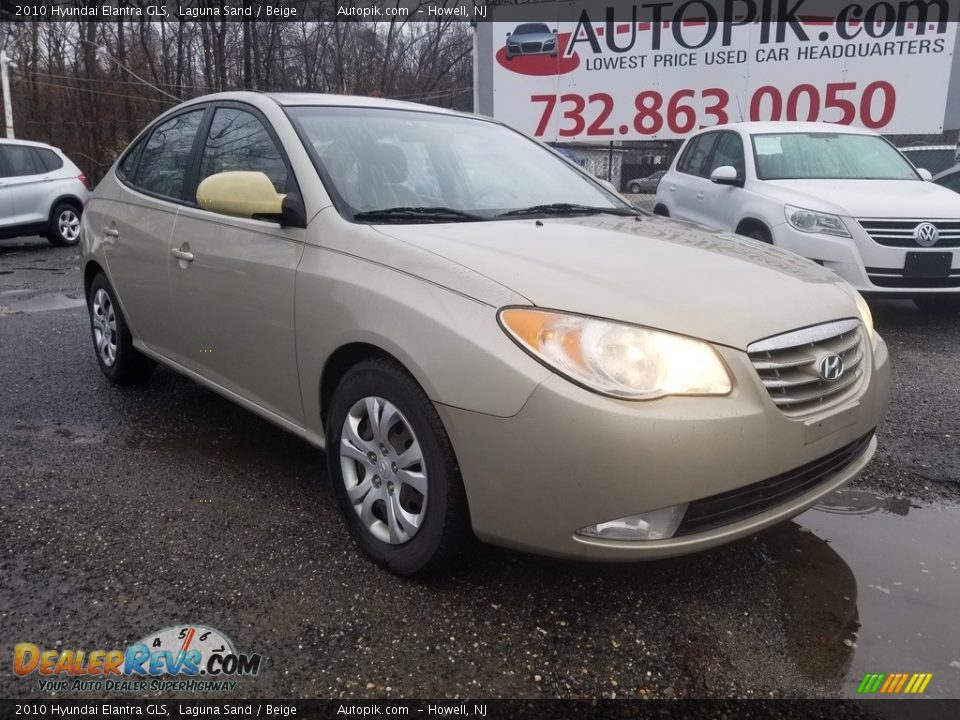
[69, 225]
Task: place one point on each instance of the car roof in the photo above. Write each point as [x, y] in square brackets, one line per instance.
[294, 99]
[796, 127]
[29, 143]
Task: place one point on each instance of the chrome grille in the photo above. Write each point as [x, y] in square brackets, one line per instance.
[788, 366]
[899, 233]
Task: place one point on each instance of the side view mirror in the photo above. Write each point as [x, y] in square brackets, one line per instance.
[554, 31]
[508, 34]
[240, 193]
[726, 175]
[924, 174]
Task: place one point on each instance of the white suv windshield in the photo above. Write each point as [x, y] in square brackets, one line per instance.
[829, 156]
[379, 159]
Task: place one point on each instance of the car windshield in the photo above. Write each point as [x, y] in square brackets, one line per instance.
[531, 29]
[381, 159]
[829, 156]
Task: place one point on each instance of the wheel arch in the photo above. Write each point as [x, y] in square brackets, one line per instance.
[73, 200]
[751, 222]
[344, 358]
[90, 271]
[661, 209]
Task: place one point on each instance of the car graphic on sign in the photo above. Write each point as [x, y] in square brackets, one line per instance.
[531, 39]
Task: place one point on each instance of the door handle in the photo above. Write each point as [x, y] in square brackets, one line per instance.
[112, 232]
[673, 188]
[184, 255]
[699, 196]
[47, 179]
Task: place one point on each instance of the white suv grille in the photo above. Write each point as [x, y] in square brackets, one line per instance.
[899, 233]
[789, 366]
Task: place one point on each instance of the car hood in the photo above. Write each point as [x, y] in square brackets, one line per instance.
[867, 198]
[657, 272]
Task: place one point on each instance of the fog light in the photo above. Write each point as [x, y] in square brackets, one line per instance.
[654, 525]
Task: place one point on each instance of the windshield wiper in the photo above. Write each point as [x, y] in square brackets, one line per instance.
[569, 209]
[418, 214]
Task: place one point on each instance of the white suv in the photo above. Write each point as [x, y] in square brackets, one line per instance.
[842, 197]
[41, 192]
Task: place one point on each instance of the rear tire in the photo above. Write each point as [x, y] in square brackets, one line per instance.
[938, 304]
[634, 188]
[375, 477]
[119, 360]
[64, 225]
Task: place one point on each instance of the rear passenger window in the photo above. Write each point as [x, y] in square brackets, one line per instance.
[19, 160]
[49, 159]
[128, 165]
[239, 141]
[165, 159]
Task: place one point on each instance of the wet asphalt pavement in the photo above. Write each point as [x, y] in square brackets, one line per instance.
[123, 511]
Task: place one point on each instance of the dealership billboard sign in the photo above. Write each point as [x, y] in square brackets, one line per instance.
[602, 71]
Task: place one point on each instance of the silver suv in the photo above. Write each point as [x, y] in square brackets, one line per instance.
[41, 192]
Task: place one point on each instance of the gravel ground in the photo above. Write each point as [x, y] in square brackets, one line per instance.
[129, 510]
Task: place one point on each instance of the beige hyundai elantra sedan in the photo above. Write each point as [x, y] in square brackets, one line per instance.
[486, 340]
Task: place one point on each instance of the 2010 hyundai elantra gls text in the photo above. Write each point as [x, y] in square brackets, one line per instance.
[483, 337]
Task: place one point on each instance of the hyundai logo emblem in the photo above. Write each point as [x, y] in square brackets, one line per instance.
[926, 234]
[830, 367]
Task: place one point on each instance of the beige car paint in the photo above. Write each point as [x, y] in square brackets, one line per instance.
[540, 456]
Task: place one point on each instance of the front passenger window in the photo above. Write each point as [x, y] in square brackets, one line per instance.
[165, 160]
[239, 141]
[729, 152]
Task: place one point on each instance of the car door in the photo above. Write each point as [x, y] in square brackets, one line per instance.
[233, 295]
[721, 203]
[684, 187]
[136, 217]
[7, 219]
[24, 183]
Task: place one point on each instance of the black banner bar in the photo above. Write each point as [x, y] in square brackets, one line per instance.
[486, 709]
[694, 11]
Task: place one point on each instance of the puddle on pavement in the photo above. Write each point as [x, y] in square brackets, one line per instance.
[41, 303]
[870, 585]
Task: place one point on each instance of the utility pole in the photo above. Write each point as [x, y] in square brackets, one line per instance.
[7, 101]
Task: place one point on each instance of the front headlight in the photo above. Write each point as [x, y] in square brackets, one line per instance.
[811, 221]
[866, 317]
[622, 361]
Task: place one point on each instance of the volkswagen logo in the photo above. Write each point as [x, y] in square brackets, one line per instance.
[926, 234]
[831, 367]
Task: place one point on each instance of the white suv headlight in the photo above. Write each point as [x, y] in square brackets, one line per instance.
[811, 221]
[623, 361]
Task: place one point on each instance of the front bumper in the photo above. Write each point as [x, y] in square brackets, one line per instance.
[571, 458]
[868, 266]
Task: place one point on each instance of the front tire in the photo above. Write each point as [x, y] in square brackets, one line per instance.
[938, 304]
[119, 361]
[393, 470]
[64, 225]
[634, 188]
[760, 233]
